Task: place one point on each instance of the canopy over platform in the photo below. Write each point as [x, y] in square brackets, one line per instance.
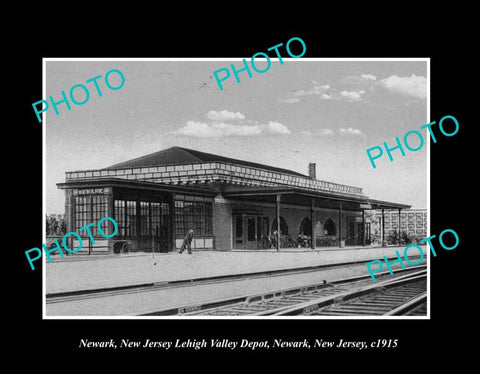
[302, 196]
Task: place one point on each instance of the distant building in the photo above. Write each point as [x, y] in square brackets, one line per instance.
[230, 203]
[413, 222]
[57, 216]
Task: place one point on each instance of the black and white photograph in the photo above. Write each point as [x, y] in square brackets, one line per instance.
[300, 192]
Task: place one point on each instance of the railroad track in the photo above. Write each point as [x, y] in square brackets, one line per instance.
[63, 297]
[403, 293]
[389, 299]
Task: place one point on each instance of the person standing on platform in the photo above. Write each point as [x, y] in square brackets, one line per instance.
[187, 242]
[273, 239]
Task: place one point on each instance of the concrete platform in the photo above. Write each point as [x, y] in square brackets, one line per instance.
[88, 273]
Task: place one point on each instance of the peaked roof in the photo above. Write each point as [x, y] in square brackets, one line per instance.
[179, 155]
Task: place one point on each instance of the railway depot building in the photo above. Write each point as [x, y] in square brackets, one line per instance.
[230, 204]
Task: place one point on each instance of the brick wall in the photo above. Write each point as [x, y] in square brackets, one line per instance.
[222, 224]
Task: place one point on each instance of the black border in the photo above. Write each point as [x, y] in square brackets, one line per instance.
[449, 316]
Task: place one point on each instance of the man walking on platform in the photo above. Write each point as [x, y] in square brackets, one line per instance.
[187, 242]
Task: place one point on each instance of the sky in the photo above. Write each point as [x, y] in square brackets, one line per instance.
[304, 110]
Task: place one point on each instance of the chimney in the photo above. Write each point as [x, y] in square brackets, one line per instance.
[312, 167]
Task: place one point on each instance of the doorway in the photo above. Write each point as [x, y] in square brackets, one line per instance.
[363, 231]
[352, 238]
[248, 231]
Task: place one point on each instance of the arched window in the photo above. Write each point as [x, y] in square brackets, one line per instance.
[329, 227]
[306, 227]
[283, 226]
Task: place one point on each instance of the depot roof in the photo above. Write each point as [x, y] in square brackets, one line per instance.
[179, 156]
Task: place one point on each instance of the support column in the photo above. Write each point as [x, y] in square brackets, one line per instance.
[399, 227]
[69, 217]
[256, 231]
[313, 239]
[90, 208]
[384, 243]
[363, 227]
[278, 221]
[138, 221]
[244, 230]
[111, 213]
[340, 225]
[172, 232]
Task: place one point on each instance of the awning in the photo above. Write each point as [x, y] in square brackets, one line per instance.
[380, 204]
[304, 197]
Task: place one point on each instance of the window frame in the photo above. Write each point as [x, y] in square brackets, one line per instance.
[193, 212]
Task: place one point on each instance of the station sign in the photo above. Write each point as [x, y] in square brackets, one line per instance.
[365, 206]
[92, 191]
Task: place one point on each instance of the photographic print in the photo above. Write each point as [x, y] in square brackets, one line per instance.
[225, 188]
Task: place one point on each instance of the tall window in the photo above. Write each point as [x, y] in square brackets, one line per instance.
[145, 218]
[99, 210]
[193, 212]
[131, 218]
[283, 226]
[156, 218]
[90, 209]
[82, 213]
[125, 216]
[306, 226]
[120, 218]
[329, 227]
[160, 219]
[251, 223]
